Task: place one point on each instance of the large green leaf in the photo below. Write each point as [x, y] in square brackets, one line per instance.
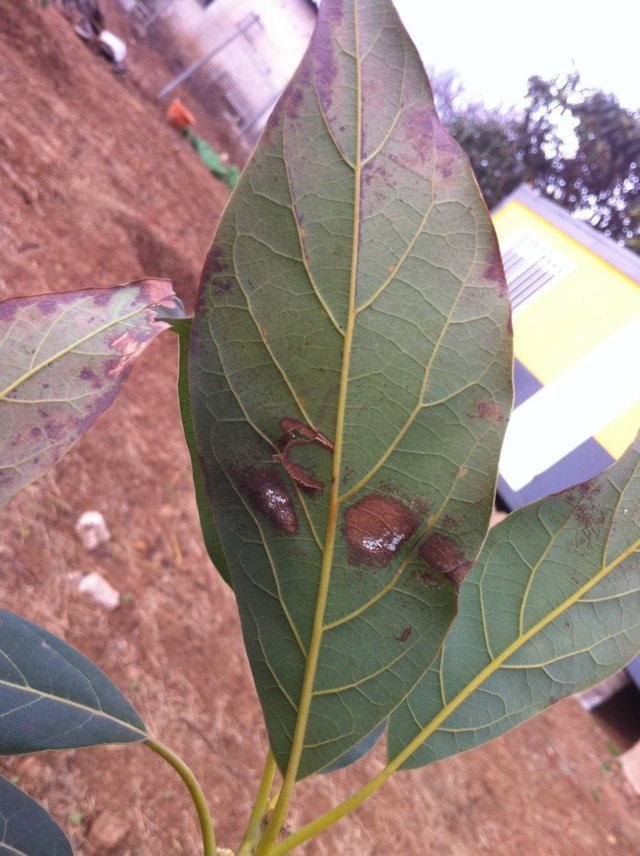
[350, 373]
[63, 359]
[52, 697]
[25, 827]
[552, 606]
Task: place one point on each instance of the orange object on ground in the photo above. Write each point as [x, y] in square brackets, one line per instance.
[178, 116]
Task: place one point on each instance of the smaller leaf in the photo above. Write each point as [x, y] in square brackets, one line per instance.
[205, 510]
[26, 829]
[53, 697]
[63, 359]
[550, 608]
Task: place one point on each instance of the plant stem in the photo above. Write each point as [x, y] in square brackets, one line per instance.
[260, 807]
[333, 815]
[193, 786]
[324, 821]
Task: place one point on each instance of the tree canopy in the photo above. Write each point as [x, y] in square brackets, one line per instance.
[577, 146]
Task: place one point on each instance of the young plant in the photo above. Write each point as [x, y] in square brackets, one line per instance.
[345, 386]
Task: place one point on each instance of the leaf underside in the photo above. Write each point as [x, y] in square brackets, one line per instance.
[63, 359]
[350, 371]
[210, 533]
[53, 697]
[25, 827]
[551, 607]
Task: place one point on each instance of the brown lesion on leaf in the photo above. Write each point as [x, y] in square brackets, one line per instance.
[441, 553]
[375, 528]
[402, 637]
[268, 495]
[294, 434]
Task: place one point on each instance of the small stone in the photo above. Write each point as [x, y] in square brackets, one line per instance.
[630, 763]
[107, 831]
[92, 529]
[100, 590]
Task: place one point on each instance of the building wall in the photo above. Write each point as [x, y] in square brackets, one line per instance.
[577, 339]
[258, 64]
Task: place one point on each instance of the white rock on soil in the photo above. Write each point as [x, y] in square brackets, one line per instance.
[100, 590]
[107, 831]
[92, 530]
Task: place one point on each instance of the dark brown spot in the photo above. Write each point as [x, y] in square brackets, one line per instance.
[375, 528]
[297, 433]
[441, 553]
[268, 495]
[404, 635]
[297, 472]
[295, 429]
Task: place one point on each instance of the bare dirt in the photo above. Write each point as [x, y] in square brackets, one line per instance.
[95, 189]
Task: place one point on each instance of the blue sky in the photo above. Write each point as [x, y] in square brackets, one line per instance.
[495, 45]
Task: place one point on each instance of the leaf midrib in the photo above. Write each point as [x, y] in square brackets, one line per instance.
[307, 691]
[69, 703]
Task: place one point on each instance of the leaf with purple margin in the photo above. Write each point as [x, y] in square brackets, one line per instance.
[350, 374]
[63, 359]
